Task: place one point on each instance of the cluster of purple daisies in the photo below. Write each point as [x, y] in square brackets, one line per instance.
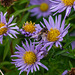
[28, 57]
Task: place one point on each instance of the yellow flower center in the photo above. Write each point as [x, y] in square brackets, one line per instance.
[53, 34]
[44, 7]
[29, 57]
[2, 30]
[68, 2]
[29, 27]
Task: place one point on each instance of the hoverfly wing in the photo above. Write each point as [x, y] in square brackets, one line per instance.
[34, 36]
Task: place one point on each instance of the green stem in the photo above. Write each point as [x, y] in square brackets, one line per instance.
[11, 48]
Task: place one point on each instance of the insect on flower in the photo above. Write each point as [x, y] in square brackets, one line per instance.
[42, 35]
[56, 31]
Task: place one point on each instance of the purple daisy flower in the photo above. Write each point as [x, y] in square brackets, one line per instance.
[73, 43]
[65, 72]
[39, 46]
[5, 28]
[28, 29]
[28, 58]
[42, 10]
[56, 32]
[61, 5]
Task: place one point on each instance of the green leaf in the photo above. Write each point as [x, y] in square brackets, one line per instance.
[67, 44]
[69, 41]
[23, 1]
[72, 17]
[15, 41]
[24, 19]
[23, 10]
[4, 63]
[6, 50]
[14, 72]
[72, 38]
[71, 66]
[69, 55]
[60, 52]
